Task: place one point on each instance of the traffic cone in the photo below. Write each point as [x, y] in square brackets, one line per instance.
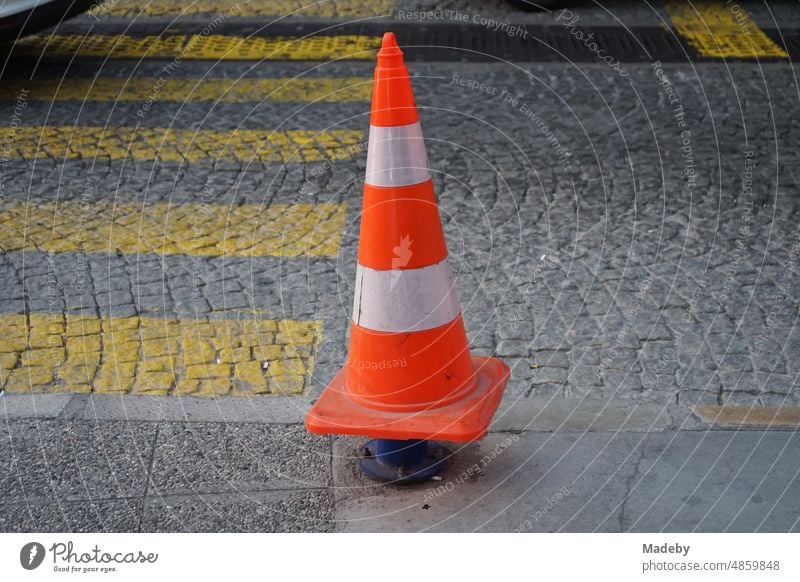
[409, 376]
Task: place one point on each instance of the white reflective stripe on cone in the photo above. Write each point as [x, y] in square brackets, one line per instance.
[405, 300]
[396, 156]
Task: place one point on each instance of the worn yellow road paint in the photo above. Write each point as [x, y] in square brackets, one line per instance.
[151, 355]
[246, 8]
[181, 145]
[200, 46]
[721, 30]
[756, 416]
[181, 90]
[288, 230]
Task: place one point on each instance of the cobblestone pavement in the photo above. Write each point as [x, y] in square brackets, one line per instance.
[586, 255]
[190, 228]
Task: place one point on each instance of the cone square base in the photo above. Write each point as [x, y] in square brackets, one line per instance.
[463, 421]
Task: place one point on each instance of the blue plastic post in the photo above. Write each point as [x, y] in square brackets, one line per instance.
[400, 453]
[406, 461]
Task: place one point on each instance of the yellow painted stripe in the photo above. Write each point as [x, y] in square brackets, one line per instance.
[327, 89]
[199, 46]
[285, 230]
[152, 355]
[756, 416]
[718, 29]
[181, 145]
[246, 8]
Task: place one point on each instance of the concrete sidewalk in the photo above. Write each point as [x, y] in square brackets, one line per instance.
[123, 463]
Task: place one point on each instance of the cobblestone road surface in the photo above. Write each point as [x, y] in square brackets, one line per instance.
[626, 238]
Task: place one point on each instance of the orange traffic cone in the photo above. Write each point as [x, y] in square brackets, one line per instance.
[409, 372]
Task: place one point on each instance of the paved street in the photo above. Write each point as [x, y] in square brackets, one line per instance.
[179, 233]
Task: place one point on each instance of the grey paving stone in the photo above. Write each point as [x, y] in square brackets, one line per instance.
[726, 342]
[696, 397]
[716, 481]
[585, 356]
[507, 482]
[119, 515]
[757, 382]
[659, 382]
[48, 460]
[653, 332]
[551, 358]
[276, 511]
[263, 409]
[734, 362]
[698, 379]
[509, 347]
[543, 391]
[747, 399]
[685, 481]
[586, 376]
[621, 382]
[615, 358]
[219, 457]
[659, 367]
[771, 360]
[548, 375]
[33, 405]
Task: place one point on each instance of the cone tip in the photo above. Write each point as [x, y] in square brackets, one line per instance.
[389, 41]
[392, 97]
[390, 51]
